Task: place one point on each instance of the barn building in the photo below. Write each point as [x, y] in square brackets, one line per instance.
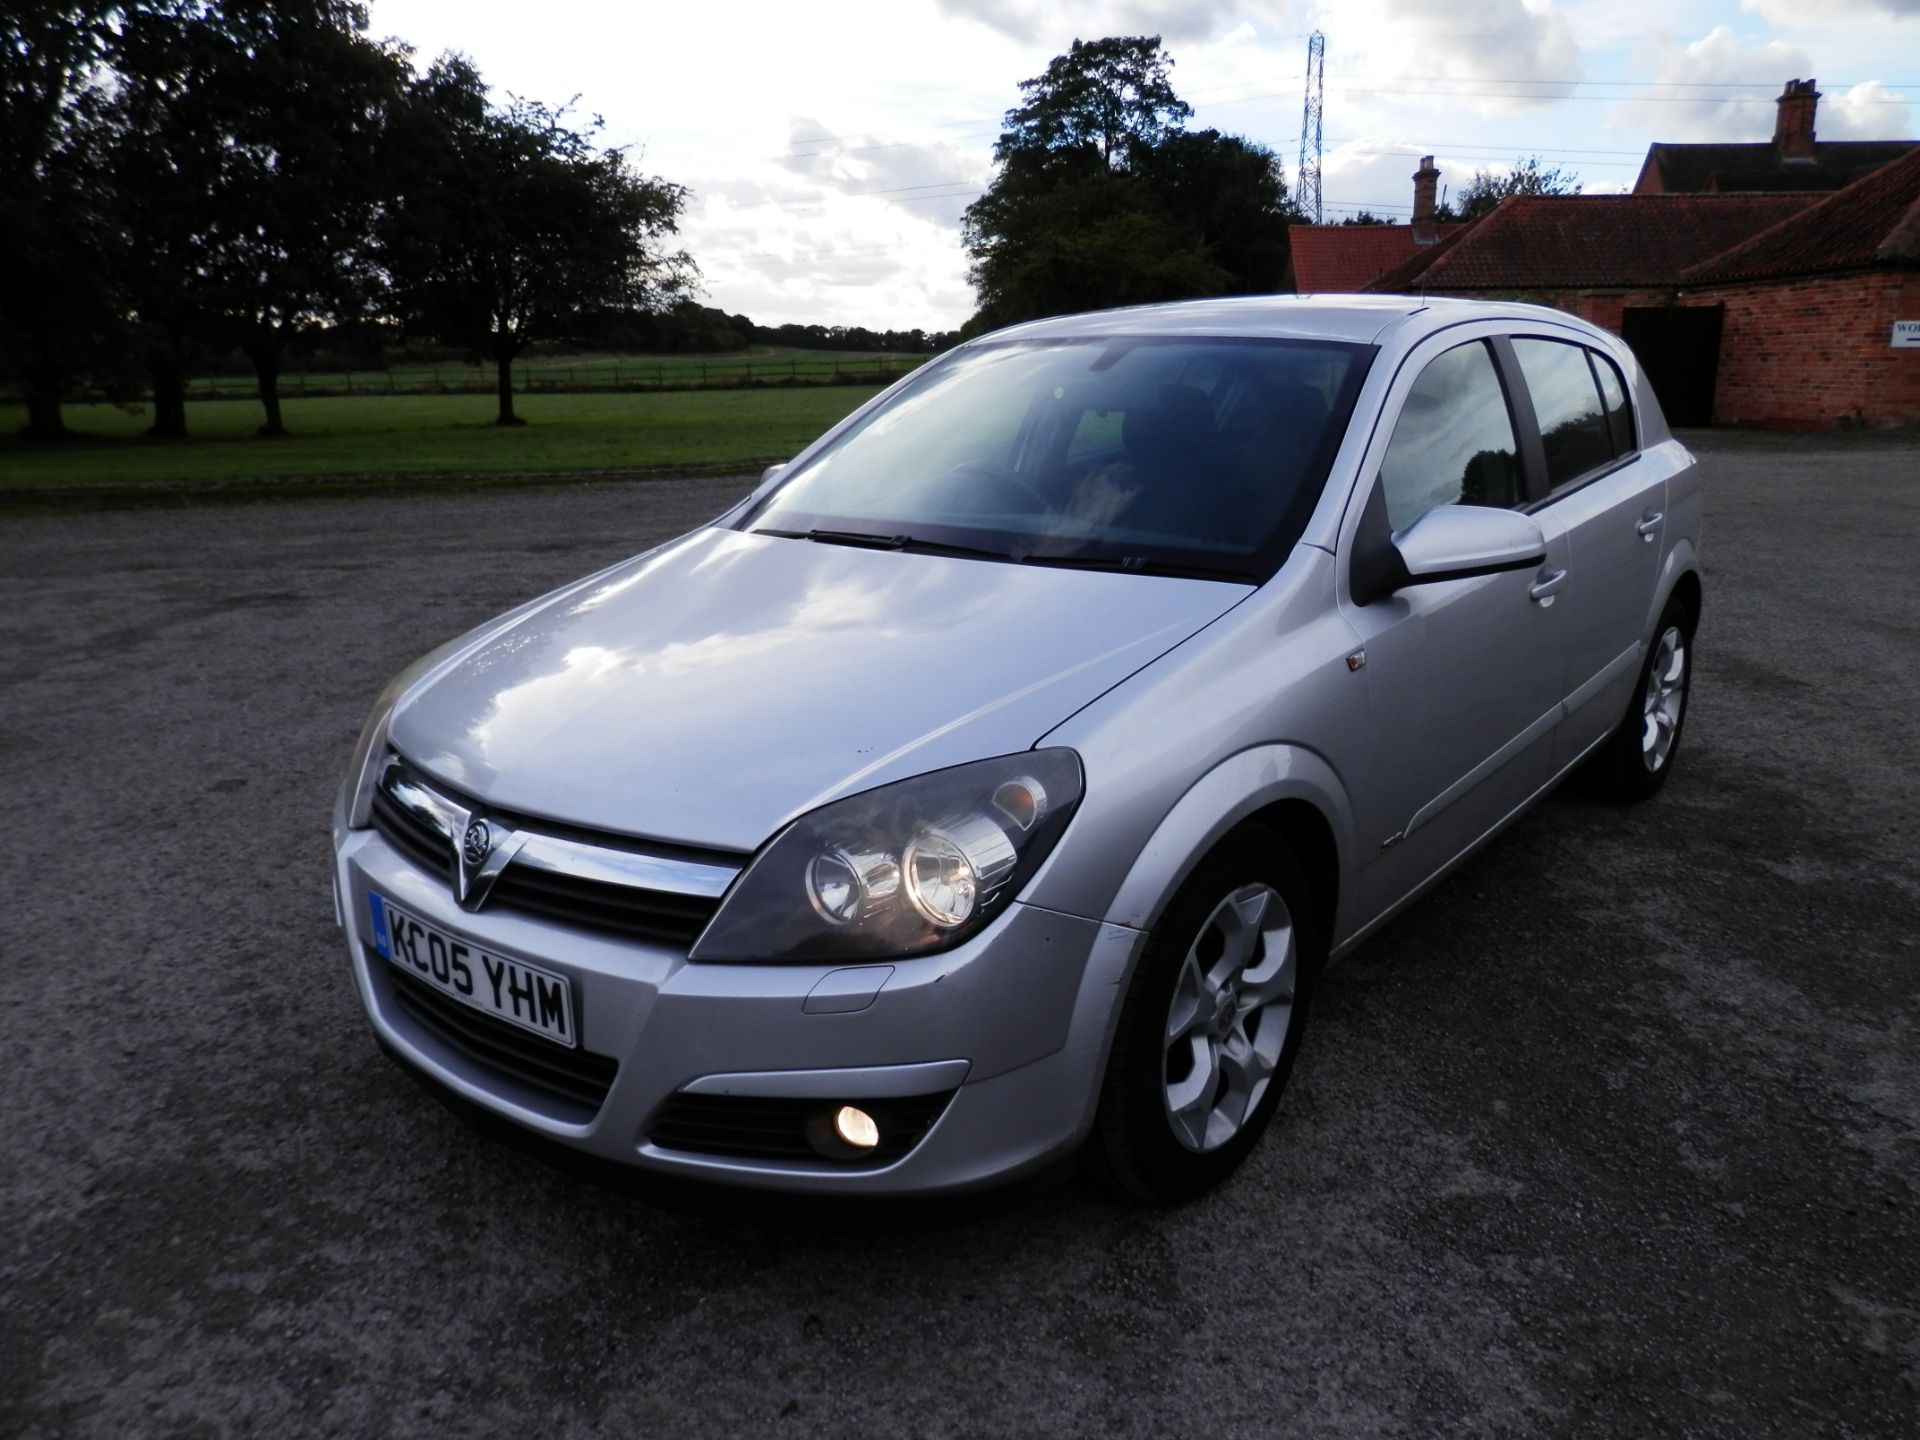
[1759, 284]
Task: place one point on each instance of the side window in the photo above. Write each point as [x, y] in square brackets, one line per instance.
[1573, 427]
[1613, 393]
[1453, 443]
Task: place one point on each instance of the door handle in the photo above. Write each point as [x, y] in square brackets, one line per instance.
[1649, 523]
[1542, 590]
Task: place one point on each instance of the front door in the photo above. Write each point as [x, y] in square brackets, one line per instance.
[1462, 680]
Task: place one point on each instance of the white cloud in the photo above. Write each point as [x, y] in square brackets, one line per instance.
[1868, 111]
[1805, 13]
[1502, 56]
[1714, 63]
[1029, 22]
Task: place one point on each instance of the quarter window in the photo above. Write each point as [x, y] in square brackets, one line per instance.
[1453, 443]
[1614, 395]
[1573, 427]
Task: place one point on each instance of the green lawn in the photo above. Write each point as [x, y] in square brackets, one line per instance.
[765, 363]
[426, 434]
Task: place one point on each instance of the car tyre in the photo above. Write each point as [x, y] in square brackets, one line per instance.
[1634, 762]
[1211, 1023]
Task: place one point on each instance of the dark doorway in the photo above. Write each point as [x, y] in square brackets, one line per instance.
[1679, 348]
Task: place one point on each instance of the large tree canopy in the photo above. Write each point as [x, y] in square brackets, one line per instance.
[1112, 97]
[181, 179]
[1104, 198]
[511, 227]
[57, 309]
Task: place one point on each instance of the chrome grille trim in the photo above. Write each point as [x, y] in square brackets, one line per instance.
[625, 867]
[631, 892]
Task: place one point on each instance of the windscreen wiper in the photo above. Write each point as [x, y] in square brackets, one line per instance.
[869, 540]
[1140, 565]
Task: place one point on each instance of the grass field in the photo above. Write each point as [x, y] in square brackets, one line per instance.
[763, 364]
[420, 435]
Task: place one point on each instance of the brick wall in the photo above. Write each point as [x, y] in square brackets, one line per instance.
[1811, 353]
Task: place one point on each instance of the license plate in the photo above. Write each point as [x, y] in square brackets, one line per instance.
[512, 990]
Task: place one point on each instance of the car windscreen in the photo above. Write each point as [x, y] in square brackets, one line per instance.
[1196, 454]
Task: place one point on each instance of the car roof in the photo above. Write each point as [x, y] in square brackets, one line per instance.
[1357, 319]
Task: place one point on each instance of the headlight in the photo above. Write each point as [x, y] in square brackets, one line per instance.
[907, 869]
[372, 744]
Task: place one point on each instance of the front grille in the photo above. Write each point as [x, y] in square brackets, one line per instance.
[576, 1080]
[411, 835]
[616, 909]
[625, 910]
[749, 1127]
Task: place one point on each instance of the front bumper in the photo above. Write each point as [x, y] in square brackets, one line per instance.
[1015, 1023]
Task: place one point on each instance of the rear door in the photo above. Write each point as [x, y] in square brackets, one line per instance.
[1593, 489]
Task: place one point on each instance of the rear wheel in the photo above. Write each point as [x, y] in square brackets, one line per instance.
[1635, 762]
[1211, 1024]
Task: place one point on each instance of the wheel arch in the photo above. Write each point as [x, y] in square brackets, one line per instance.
[1679, 580]
[1288, 788]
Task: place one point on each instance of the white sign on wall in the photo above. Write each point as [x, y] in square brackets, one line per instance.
[1906, 334]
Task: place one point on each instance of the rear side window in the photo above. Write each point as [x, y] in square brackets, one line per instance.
[1573, 425]
[1453, 443]
[1613, 393]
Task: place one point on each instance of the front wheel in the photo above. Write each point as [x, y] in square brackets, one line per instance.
[1211, 1024]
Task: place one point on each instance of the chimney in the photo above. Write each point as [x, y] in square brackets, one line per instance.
[1793, 130]
[1426, 180]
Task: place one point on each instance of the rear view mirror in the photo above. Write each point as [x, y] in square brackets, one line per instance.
[1449, 542]
[1457, 542]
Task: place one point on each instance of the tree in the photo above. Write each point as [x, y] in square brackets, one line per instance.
[1103, 198]
[511, 228]
[1111, 97]
[1234, 193]
[1486, 190]
[288, 241]
[57, 306]
[1367, 217]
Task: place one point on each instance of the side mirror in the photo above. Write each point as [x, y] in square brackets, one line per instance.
[1449, 542]
[1457, 542]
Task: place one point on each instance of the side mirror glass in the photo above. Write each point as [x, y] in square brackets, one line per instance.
[1457, 542]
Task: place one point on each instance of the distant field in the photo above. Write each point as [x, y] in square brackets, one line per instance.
[421, 434]
[762, 365]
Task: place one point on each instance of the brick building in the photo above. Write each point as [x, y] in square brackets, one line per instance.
[1758, 284]
[1809, 308]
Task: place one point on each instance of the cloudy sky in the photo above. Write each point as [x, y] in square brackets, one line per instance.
[831, 147]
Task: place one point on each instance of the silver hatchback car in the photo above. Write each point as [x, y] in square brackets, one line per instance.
[996, 779]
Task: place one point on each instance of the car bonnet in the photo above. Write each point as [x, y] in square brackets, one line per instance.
[709, 691]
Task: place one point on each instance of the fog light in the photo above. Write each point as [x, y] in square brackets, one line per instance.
[855, 1127]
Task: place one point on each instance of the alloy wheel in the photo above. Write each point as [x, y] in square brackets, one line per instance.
[1232, 1007]
[1665, 697]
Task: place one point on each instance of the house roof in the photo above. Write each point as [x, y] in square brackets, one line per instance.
[1342, 259]
[1729, 169]
[1562, 242]
[1874, 221]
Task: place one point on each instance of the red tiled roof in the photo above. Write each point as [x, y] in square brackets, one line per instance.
[1342, 259]
[1874, 221]
[1558, 242]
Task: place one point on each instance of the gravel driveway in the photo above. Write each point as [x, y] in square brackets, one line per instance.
[1617, 1132]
